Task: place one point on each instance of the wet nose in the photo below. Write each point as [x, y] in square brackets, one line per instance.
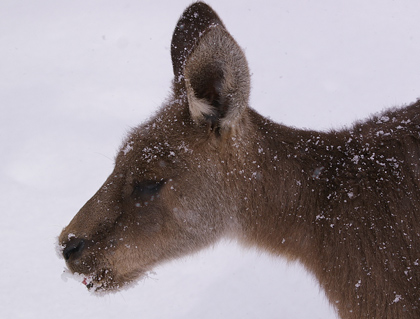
[73, 248]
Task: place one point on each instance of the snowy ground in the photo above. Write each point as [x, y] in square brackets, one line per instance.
[76, 75]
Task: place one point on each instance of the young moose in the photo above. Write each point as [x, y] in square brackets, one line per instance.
[346, 204]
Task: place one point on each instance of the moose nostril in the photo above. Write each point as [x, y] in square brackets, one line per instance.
[73, 248]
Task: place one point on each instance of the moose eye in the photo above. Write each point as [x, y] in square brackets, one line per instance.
[147, 190]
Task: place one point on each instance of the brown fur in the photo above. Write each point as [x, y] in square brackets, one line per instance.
[344, 203]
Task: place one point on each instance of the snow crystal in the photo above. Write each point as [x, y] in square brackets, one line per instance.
[70, 236]
[128, 148]
[83, 279]
[317, 172]
[355, 159]
[397, 298]
[59, 250]
[383, 119]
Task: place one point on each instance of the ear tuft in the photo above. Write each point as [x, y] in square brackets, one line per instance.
[195, 20]
[211, 69]
[217, 79]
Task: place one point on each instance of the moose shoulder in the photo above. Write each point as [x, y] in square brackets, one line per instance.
[207, 166]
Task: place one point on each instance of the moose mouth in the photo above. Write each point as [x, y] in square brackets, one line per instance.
[95, 271]
[100, 281]
[93, 282]
[103, 281]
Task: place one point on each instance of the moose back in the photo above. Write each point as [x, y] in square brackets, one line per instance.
[345, 204]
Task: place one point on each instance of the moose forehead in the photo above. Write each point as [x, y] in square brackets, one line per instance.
[158, 147]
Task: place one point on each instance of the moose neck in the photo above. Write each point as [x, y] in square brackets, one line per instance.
[287, 210]
[283, 190]
[320, 197]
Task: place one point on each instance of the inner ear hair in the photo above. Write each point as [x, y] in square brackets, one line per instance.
[217, 79]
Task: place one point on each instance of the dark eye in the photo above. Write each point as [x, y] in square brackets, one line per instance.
[147, 190]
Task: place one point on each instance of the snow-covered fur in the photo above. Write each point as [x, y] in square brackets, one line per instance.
[345, 203]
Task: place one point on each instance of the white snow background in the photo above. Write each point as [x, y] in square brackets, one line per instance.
[76, 75]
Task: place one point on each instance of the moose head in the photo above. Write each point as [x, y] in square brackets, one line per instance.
[343, 203]
[175, 188]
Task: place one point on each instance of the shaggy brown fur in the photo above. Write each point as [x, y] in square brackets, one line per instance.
[344, 203]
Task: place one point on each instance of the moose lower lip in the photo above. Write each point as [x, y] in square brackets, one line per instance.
[88, 281]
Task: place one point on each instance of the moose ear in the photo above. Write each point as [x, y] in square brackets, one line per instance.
[211, 68]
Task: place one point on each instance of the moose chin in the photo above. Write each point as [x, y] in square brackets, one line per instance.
[344, 203]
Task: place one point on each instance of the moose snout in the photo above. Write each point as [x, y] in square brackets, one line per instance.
[74, 248]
